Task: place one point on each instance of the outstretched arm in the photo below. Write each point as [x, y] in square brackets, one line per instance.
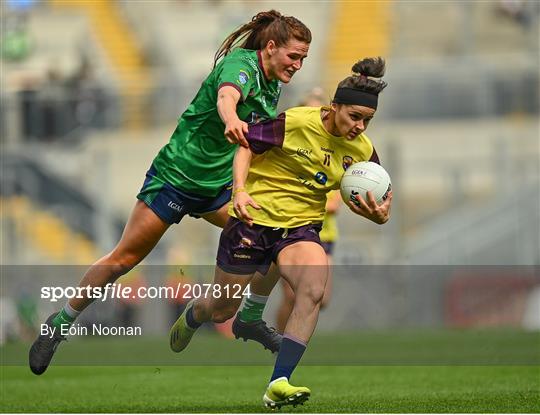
[262, 137]
[235, 129]
[241, 198]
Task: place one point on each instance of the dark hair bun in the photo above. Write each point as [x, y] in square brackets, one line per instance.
[374, 67]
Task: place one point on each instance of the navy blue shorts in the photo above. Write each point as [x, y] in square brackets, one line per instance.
[171, 203]
[245, 250]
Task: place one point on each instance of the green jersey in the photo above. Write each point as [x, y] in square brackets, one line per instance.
[198, 158]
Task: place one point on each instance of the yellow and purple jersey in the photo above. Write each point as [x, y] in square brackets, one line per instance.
[296, 163]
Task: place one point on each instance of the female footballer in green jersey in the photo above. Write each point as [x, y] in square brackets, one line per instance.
[192, 174]
[280, 189]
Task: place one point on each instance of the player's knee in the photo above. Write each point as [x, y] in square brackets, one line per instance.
[315, 294]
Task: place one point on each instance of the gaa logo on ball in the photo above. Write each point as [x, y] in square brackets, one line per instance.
[363, 177]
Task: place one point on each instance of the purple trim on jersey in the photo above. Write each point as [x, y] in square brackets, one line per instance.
[259, 58]
[234, 86]
[267, 134]
[374, 157]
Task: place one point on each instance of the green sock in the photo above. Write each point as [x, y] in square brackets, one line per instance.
[63, 318]
[253, 308]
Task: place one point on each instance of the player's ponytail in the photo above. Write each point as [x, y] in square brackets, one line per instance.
[262, 28]
[363, 71]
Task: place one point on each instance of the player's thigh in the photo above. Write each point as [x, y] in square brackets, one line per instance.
[305, 267]
[218, 217]
[143, 231]
[288, 293]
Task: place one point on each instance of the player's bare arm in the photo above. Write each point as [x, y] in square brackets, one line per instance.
[241, 198]
[235, 129]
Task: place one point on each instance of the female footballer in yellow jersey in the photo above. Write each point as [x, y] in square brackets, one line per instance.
[280, 189]
[328, 235]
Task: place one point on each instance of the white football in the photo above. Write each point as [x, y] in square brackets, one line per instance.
[363, 177]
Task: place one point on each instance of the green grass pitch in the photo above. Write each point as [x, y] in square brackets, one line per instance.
[503, 383]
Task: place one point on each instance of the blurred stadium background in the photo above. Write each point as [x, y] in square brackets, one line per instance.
[92, 89]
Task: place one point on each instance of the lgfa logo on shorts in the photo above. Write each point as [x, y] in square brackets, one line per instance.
[175, 206]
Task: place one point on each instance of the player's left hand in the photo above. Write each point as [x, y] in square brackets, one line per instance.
[371, 210]
[241, 201]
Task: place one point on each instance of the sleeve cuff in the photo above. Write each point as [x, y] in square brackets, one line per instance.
[234, 86]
